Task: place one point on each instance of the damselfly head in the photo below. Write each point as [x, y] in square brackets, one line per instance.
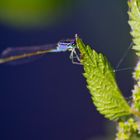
[68, 42]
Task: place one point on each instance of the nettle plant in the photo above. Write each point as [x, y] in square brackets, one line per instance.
[101, 82]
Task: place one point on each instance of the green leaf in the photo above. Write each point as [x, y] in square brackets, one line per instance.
[101, 83]
[134, 22]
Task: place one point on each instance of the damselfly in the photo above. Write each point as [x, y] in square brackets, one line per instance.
[22, 54]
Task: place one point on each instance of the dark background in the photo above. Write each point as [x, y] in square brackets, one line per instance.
[48, 99]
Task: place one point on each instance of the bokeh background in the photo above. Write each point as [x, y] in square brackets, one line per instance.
[48, 99]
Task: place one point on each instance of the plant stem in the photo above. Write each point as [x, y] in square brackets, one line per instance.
[136, 113]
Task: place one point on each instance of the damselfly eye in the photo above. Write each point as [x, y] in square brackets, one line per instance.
[73, 44]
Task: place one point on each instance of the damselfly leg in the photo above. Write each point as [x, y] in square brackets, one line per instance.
[75, 58]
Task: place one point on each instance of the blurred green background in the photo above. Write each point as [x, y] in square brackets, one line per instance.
[32, 13]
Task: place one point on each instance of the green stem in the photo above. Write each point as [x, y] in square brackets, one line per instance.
[134, 112]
